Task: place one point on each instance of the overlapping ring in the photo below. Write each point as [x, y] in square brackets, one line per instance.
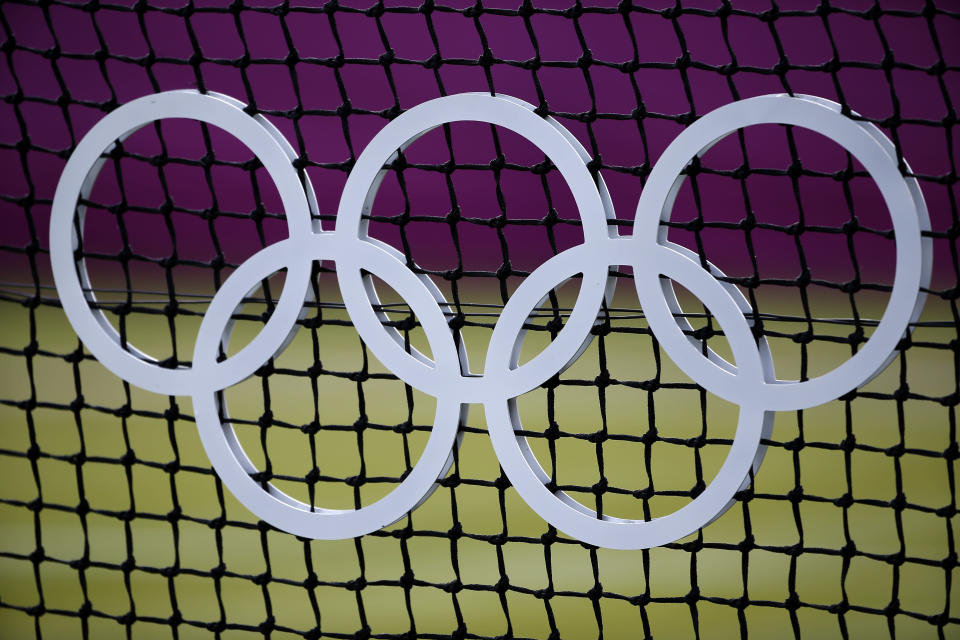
[750, 382]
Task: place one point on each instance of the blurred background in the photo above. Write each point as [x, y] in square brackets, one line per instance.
[112, 522]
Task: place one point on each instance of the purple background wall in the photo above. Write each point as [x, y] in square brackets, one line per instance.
[63, 66]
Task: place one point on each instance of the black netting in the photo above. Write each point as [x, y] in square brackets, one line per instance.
[112, 522]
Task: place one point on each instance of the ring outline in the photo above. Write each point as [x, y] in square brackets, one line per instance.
[78, 178]
[901, 195]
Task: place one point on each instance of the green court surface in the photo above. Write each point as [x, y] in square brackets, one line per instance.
[148, 566]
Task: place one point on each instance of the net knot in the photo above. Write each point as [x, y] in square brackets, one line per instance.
[9, 46]
[899, 502]
[897, 450]
[693, 546]
[599, 488]
[729, 69]
[454, 586]
[705, 333]
[541, 168]
[77, 404]
[595, 592]
[356, 481]
[552, 383]
[38, 555]
[792, 603]
[458, 321]
[552, 432]
[795, 495]
[124, 411]
[952, 452]
[640, 600]
[356, 584]
[85, 610]
[844, 501]
[697, 489]
[839, 608]
[544, 594]
[451, 482]
[362, 634]
[902, 392]
[649, 385]
[391, 112]
[599, 437]
[797, 444]
[892, 609]
[650, 436]
[172, 413]
[32, 248]
[549, 537]
[671, 13]
[849, 550]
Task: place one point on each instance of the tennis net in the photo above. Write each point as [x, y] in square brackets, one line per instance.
[113, 521]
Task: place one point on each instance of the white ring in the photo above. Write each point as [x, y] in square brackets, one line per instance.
[580, 522]
[907, 211]
[77, 180]
[591, 197]
[220, 441]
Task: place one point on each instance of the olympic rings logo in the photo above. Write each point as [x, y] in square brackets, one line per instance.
[749, 383]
